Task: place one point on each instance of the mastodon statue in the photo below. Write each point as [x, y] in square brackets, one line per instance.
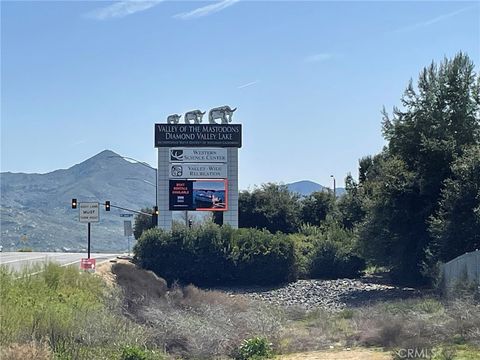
[173, 119]
[195, 115]
[224, 113]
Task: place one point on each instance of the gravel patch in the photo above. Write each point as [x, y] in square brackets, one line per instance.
[329, 295]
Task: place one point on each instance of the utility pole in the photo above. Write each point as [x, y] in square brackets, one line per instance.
[334, 188]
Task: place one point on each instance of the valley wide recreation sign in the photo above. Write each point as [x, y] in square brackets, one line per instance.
[196, 135]
[197, 171]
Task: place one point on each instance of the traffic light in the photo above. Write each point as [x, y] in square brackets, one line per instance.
[107, 205]
[190, 223]
[74, 203]
[155, 216]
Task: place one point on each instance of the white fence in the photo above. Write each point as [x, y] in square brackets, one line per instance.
[465, 267]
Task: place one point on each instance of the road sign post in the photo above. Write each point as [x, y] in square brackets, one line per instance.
[88, 241]
[127, 231]
[89, 213]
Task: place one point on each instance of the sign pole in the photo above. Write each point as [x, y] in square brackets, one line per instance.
[88, 240]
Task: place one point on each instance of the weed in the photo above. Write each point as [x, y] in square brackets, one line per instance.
[254, 348]
[133, 353]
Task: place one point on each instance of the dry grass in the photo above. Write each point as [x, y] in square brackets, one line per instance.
[190, 322]
[420, 323]
[30, 350]
[354, 354]
[139, 286]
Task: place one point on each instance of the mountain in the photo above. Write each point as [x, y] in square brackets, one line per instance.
[36, 208]
[306, 187]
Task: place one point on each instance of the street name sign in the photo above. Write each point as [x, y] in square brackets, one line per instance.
[89, 212]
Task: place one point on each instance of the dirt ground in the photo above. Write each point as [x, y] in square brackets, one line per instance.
[355, 354]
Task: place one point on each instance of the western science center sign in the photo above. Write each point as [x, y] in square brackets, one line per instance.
[198, 166]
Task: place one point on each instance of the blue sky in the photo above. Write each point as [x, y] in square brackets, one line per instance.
[309, 78]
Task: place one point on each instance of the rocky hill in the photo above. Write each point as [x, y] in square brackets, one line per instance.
[36, 210]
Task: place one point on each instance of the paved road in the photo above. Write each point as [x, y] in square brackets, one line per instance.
[18, 260]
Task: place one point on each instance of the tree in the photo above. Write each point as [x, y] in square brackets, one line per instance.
[403, 185]
[142, 222]
[316, 206]
[272, 207]
[350, 205]
[456, 226]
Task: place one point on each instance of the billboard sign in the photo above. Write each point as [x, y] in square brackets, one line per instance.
[198, 155]
[198, 135]
[200, 195]
[197, 171]
[89, 212]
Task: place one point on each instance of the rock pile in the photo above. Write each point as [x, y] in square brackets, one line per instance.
[330, 295]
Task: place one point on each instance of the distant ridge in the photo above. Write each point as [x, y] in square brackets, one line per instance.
[306, 187]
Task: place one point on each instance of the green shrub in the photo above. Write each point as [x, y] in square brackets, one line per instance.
[214, 255]
[335, 253]
[254, 348]
[331, 261]
[263, 258]
[304, 249]
[133, 353]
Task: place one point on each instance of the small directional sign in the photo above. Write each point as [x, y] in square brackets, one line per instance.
[89, 212]
[126, 215]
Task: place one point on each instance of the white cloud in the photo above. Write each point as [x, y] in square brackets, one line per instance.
[122, 8]
[433, 20]
[206, 10]
[248, 84]
[318, 57]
